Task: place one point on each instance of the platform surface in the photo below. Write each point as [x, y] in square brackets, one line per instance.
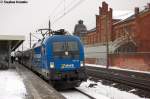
[35, 86]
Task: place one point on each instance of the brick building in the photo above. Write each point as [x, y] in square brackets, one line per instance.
[103, 25]
[127, 36]
[135, 27]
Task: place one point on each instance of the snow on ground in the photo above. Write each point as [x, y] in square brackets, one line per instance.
[115, 67]
[97, 89]
[70, 94]
[11, 85]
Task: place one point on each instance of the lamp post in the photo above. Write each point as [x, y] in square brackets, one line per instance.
[107, 41]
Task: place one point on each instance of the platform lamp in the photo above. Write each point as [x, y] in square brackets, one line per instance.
[107, 42]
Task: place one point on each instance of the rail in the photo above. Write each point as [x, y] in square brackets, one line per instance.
[91, 97]
[134, 79]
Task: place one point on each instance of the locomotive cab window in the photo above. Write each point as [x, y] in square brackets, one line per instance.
[72, 46]
[66, 50]
[58, 46]
[65, 46]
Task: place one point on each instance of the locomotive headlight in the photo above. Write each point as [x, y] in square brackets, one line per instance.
[66, 53]
[51, 64]
[81, 63]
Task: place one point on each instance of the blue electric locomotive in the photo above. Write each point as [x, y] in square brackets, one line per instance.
[58, 58]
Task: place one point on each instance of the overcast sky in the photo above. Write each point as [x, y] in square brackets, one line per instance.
[21, 19]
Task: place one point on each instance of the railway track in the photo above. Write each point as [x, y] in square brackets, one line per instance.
[85, 94]
[90, 97]
[75, 93]
[134, 79]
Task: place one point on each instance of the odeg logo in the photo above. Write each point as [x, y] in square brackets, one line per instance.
[67, 65]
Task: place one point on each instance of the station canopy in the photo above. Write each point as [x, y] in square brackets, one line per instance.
[14, 41]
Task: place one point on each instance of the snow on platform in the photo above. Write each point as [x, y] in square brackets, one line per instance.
[11, 85]
[36, 87]
[21, 83]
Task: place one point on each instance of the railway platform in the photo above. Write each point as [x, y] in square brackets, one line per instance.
[35, 86]
[8, 44]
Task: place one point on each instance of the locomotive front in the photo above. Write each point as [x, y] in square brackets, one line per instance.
[65, 59]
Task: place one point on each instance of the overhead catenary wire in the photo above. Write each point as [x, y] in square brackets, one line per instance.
[69, 10]
[64, 9]
[55, 9]
[71, 7]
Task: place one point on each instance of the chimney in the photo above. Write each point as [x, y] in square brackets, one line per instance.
[136, 10]
[104, 8]
[104, 3]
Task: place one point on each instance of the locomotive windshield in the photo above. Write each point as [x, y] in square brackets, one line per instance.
[65, 46]
[58, 46]
[66, 50]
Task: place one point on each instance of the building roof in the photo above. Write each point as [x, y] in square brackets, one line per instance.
[132, 17]
[91, 30]
[15, 41]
